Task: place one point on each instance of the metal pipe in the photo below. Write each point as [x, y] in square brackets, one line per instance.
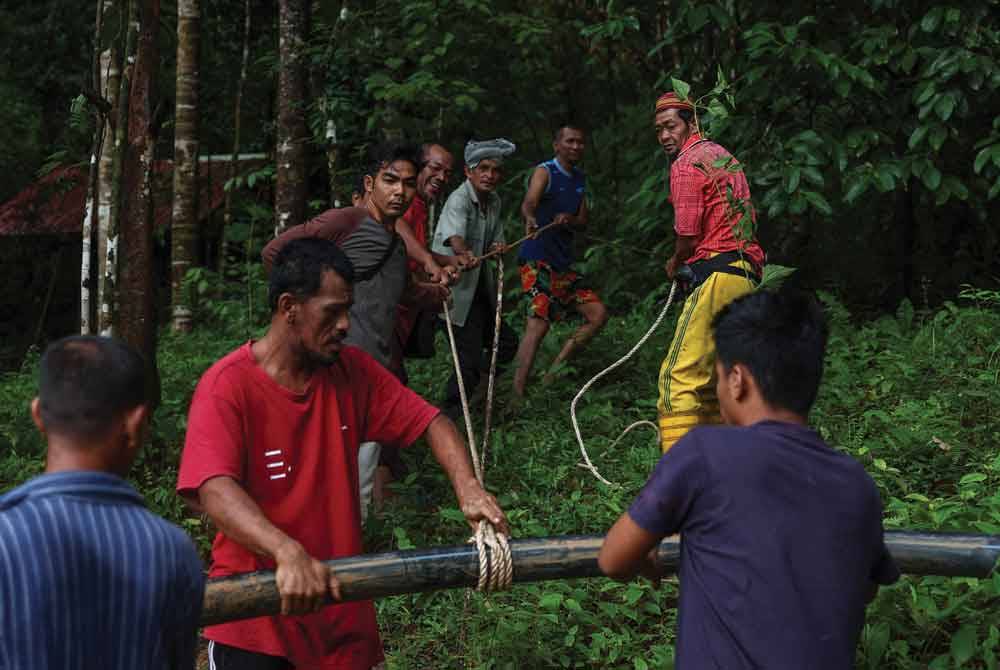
[567, 557]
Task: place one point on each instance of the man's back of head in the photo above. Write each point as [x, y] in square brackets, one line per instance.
[91, 404]
[780, 338]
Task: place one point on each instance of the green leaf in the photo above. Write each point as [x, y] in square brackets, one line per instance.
[639, 664]
[982, 158]
[944, 107]
[681, 88]
[818, 202]
[718, 110]
[856, 189]
[917, 136]
[775, 275]
[926, 93]
[813, 176]
[972, 478]
[550, 601]
[963, 644]
[792, 178]
[931, 19]
[932, 178]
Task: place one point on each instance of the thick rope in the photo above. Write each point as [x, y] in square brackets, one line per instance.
[496, 566]
[572, 408]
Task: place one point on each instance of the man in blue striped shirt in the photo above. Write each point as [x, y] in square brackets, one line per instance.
[89, 578]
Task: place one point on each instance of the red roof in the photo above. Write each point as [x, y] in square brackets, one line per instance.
[54, 205]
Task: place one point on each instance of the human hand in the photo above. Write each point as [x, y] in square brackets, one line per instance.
[471, 262]
[438, 292]
[433, 271]
[531, 227]
[562, 219]
[651, 568]
[476, 504]
[303, 582]
[450, 274]
[671, 267]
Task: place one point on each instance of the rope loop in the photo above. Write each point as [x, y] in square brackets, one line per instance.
[572, 408]
[496, 565]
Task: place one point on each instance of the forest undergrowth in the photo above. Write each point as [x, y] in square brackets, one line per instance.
[914, 396]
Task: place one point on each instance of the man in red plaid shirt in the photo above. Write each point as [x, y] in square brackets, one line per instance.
[714, 222]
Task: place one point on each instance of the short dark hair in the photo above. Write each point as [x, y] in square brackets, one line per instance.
[359, 184]
[567, 124]
[387, 153]
[85, 382]
[299, 266]
[686, 115]
[781, 337]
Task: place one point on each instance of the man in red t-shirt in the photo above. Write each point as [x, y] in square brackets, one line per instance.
[714, 222]
[271, 456]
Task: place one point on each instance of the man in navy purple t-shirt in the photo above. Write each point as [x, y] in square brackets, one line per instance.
[781, 536]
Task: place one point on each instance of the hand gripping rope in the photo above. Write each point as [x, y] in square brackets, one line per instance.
[572, 408]
[496, 567]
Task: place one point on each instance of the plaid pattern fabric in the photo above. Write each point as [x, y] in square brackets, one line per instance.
[553, 293]
[701, 208]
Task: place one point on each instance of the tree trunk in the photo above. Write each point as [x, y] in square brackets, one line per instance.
[88, 283]
[227, 210]
[184, 225]
[136, 322]
[292, 133]
[109, 291]
[110, 82]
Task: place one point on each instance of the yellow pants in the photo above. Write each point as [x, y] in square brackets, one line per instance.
[687, 375]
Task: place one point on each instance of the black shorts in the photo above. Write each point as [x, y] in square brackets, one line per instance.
[223, 657]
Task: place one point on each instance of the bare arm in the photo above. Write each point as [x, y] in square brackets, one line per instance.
[629, 550]
[450, 451]
[418, 252]
[536, 189]
[303, 581]
[457, 242]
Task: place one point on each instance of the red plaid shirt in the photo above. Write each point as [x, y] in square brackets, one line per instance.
[701, 209]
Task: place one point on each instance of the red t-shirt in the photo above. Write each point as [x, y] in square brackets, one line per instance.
[406, 317]
[296, 455]
[701, 209]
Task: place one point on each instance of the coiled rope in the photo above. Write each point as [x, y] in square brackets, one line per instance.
[496, 567]
[572, 408]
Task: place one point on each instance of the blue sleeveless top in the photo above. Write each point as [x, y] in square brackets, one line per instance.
[564, 193]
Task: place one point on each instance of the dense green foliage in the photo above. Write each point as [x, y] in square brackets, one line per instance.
[868, 129]
[914, 396]
[870, 133]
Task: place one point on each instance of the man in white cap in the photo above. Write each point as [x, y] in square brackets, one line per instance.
[470, 226]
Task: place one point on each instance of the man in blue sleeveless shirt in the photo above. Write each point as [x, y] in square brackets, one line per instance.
[90, 578]
[555, 207]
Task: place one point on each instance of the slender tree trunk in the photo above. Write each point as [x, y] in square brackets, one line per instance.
[88, 283]
[290, 182]
[137, 318]
[184, 225]
[109, 293]
[227, 210]
[110, 82]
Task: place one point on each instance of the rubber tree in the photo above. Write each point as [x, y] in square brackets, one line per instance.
[292, 131]
[184, 224]
[136, 317]
[116, 172]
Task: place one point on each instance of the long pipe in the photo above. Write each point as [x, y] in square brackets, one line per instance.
[394, 573]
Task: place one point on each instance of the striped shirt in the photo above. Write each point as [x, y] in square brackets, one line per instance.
[89, 578]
